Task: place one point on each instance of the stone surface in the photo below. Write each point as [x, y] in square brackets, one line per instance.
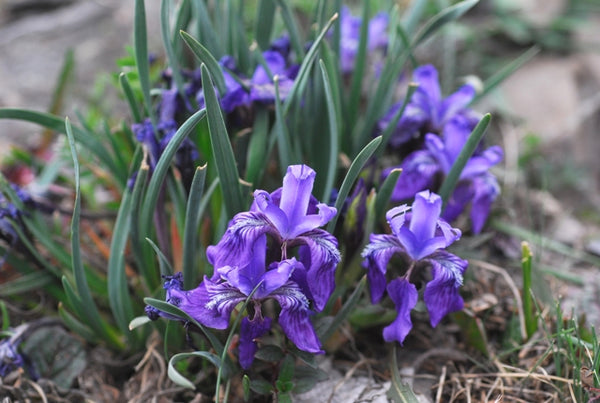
[33, 46]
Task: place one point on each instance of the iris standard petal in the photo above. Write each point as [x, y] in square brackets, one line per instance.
[426, 210]
[486, 189]
[276, 277]
[404, 295]
[428, 94]
[296, 191]
[441, 293]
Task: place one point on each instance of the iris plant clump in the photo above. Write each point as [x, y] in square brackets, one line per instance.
[255, 261]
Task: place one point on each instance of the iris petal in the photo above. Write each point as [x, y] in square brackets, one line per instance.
[377, 254]
[404, 295]
[441, 294]
[250, 330]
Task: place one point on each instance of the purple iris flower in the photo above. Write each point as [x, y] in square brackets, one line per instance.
[212, 302]
[424, 169]
[350, 36]
[420, 236]
[10, 359]
[242, 91]
[427, 111]
[291, 216]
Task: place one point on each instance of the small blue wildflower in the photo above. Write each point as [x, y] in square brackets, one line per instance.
[420, 236]
[10, 359]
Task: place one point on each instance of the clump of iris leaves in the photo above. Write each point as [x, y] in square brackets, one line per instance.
[273, 182]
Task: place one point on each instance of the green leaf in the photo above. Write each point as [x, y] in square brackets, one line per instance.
[179, 379]
[284, 147]
[52, 122]
[445, 16]
[269, 353]
[25, 283]
[263, 25]
[175, 311]
[292, 27]
[141, 56]
[221, 149]
[192, 221]
[505, 72]
[88, 306]
[306, 66]
[130, 96]
[172, 59]
[159, 174]
[528, 311]
[391, 127]
[353, 172]
[246, 387]
[385, 192]
[118, 288]
[165, 266]
[333, 133]
[399, 391]
[204, 56]
[76, 326]
[139, 321]
[463, 157]
[261, 386]
[206, 30]
[258, 146]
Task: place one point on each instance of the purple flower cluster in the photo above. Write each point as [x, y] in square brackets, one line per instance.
[443, 126]
[274, 251]
[419, 236]
[260, 87]
[377, 38]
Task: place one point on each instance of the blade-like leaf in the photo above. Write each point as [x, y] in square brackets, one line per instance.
[463, 157]
[333, 133]
[179, 379]
[445, 16]
[263, 25]
[353, 172]
[173, 60]
[192, 220]
[205, 57]
[385, 192]
[142, 61]
[221, 149]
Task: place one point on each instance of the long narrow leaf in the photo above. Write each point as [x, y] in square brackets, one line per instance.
[385, 192]
[88, 305]
[463, 157]
[129, 95]
[353, 172]
[263, 25]
[221, 149]
[165, 29]
[505, 71]
[179, 379]
[205, 57]
[165, 266]
[57, 124]
[306, 65]
[141, 56]
[118, 291]
[173, 310]
[26, 283]
[333, 133]
[445, 16]
[161, 169]
[192, 220]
